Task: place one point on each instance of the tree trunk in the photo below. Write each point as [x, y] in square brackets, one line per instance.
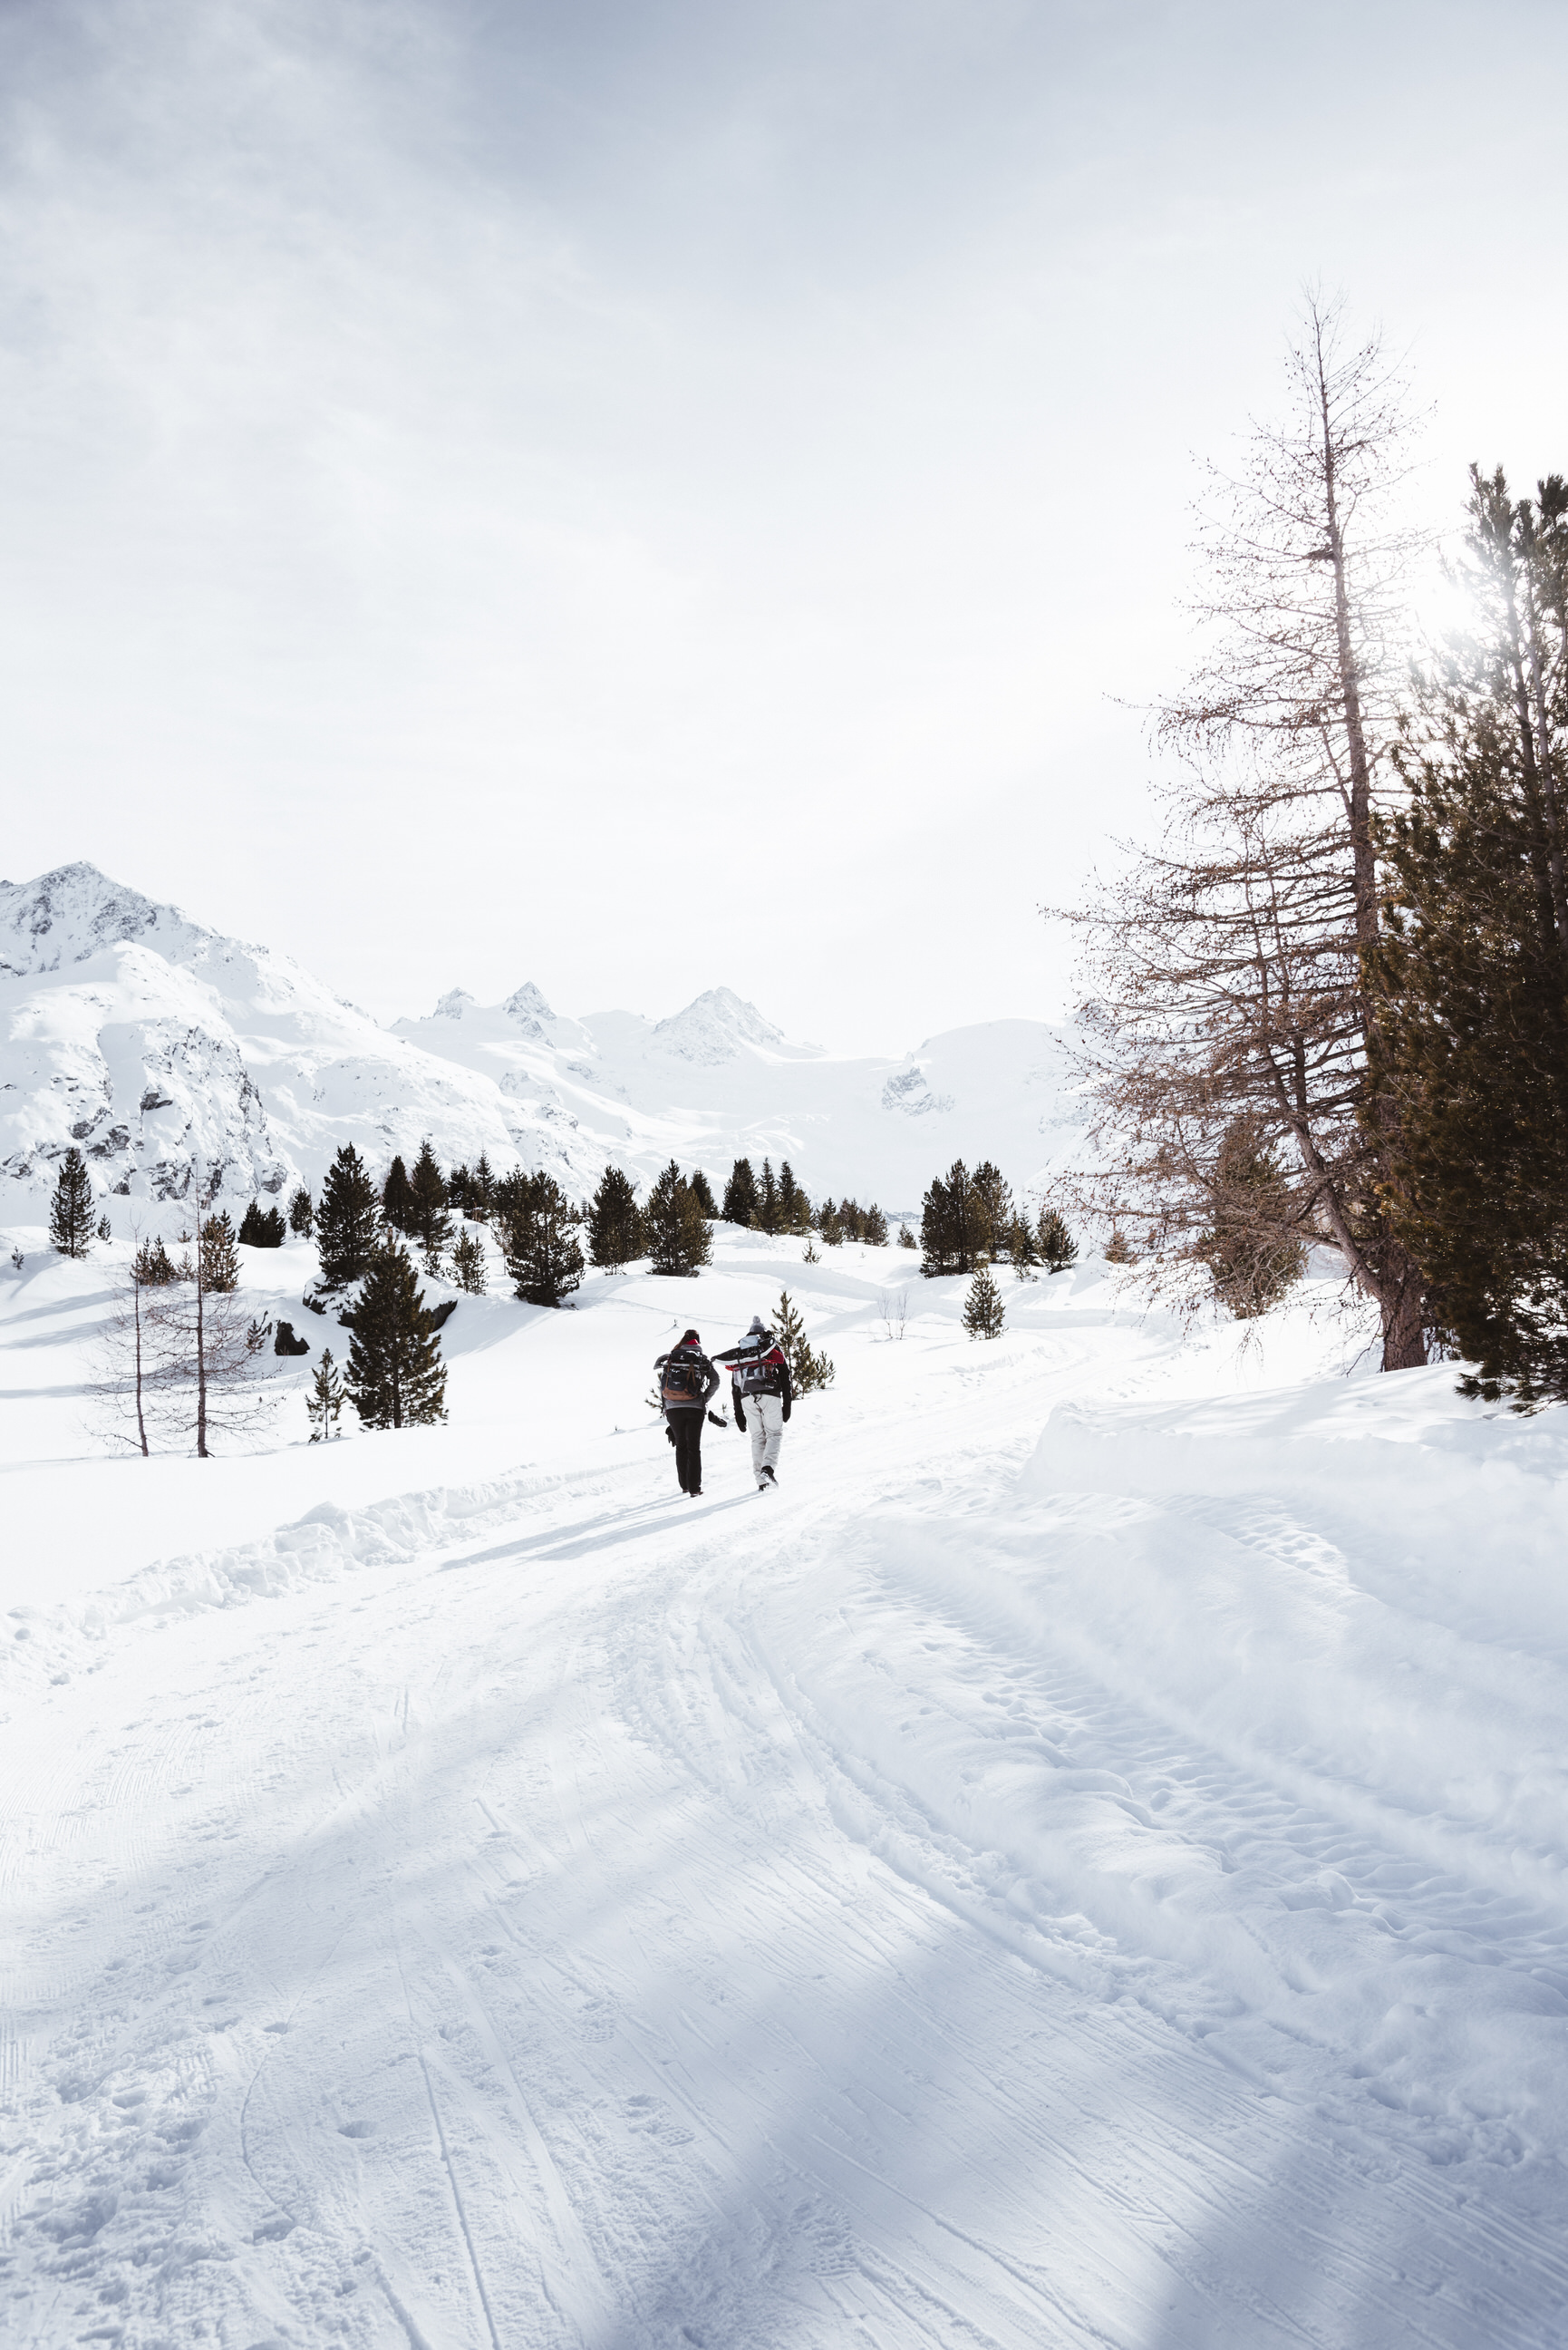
[136, 1309]
[1395, 1287]
[201, 1344]
[1404, 1325]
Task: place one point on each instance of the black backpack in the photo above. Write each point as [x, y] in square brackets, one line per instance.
[683, 1377]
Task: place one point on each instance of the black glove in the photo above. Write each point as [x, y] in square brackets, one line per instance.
[669, 1430]
[786, 1411]
[717, 1421]
[740, 1417]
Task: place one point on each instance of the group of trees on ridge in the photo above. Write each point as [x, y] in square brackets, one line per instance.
[178, 1331]
[969, 1222]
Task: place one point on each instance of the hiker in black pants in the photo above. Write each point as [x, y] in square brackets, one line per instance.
[688, 1381]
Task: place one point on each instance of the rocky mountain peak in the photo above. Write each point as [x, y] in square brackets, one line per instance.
[714, 1026]
[72, 914]
[526, 1003]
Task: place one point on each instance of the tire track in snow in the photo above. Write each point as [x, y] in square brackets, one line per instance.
[1519, 2242]
[789, 2096]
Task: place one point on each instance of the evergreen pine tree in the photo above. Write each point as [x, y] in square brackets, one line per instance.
[220, 1256]
[615, 1222]
[1117, 1250]
[260, 1227]
[954, 1224]
[1472, 965]
[937, 1253]
[808, 1368]
[702, 1192]
[984, 1314]
[1057, 1247]
[873, 1231]
[348, 1220]
[741, 1194]
[795, 1207]
[395, 1375]
[678, 1237]
[325, 1399]
[431, 1222]
[396, 1200]
[105, 1229]
[768, 1216]
[71, 1210]
[1020, 1250]
[301, 1215]
[992, 1210]
[906, 1238]
[460, 1190]
[830, 1224]
[468, 1265]
[481, 1188]
[537, 1224]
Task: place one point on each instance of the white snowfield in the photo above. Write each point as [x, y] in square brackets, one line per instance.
[1083, 1863]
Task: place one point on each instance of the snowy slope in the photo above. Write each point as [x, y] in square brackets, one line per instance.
[716, 1082]
[145, 1038]
[1084, 1864]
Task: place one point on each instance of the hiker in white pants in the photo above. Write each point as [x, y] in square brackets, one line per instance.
[759, 1384]
[765, 1428]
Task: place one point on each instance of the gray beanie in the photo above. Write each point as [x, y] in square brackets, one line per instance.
[759, 1328]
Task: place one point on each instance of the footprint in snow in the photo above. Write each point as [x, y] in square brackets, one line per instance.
[649, 2118]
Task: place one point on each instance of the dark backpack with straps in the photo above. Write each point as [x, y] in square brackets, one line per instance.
[683, 1381]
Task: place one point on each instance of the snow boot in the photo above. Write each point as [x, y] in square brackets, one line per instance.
[767, 1473]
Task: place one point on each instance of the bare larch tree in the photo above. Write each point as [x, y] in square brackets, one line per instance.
[1229, 1007]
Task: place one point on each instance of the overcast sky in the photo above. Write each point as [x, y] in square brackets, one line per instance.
[642, 497]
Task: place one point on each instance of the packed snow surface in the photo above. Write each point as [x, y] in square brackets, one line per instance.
[1081, 1864]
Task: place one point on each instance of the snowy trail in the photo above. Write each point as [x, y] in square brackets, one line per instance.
[920, 1907]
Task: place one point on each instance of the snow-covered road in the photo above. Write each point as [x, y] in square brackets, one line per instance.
[1103, 1885]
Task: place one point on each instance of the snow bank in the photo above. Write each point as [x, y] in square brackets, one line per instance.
[327, 1542]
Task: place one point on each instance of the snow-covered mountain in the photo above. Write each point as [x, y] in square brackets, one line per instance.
[149, 1039]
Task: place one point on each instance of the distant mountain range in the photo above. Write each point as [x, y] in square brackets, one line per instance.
[147, 1039]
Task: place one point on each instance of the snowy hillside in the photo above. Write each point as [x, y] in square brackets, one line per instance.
[145, 1039]
[1084, 1865]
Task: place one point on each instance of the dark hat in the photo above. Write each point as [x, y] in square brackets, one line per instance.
[691, 1339]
